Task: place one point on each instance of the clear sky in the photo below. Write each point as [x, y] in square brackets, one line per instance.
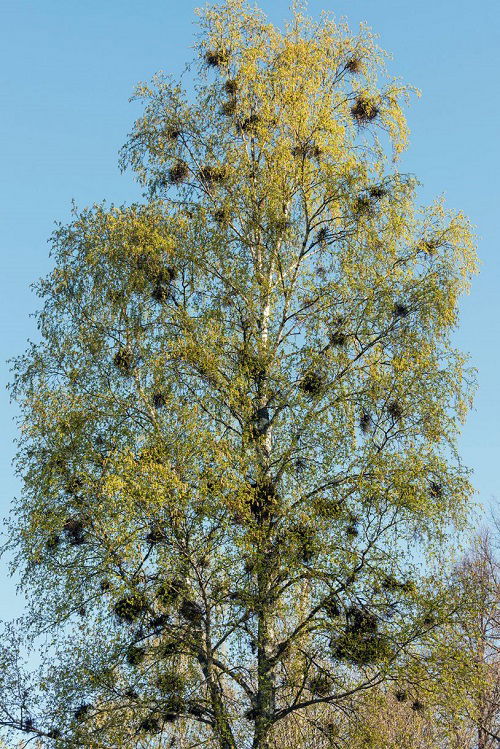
[67, 69]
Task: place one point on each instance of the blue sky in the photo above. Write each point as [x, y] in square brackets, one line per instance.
[67, 70]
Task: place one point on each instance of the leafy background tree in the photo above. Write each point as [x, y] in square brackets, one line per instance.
[242, 415]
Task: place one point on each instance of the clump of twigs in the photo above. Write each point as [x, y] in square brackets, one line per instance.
[135, 655]
[353, 65]
[429, 246]
[228, 108]
[401, 695]
[312, 384]
[191, 611]
[130, 608]
[378, 191]
[306, 542]
[231, 87]
[363, 206]
[417, 706]
[307, 150]
[124, 360]
[212, 175]
[435, 490]
[159, 400]
[82, 711]
[394, 409]
[156, 535]
[338, 338]
[162, 285]
[263, 499]
[74, 529]
[365, 422]
[170, 681]
[331, 607]
[150, 724]
[178, 173]
[320, 684]
[53, 541]
[322, 235]
[158, 623]
[390, 583]
[169, 591]
[364, 110]
[401, 310]
[173, 133]
[217, 58]
[250, 124]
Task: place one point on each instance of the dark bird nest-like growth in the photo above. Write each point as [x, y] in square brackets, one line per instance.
[124, 360]
[221, 216]
[401, 310]
[391, 583]
[82, 711]
[306, 542]
[263, 499]
[429, 246]
[417, 706]
[170, 682]
[353, 65]
[162, 284]
[307, 151]
[378, 191]
[331, 607]
[173, 133]
[178, 173]
[169, 591]
[53, 541]
[135, 655]
[322, 235]
[364, 110]
[158, 623]
[361, 621]
[260, 422]
[191, 611]
[231, 87]
[217, 58]
[212, 175]
[435, 489]
[400, 695]
[365, 422]
[250, 124]
[74, 528]
[363, 206]
[394, 409]
[74, 485]
[159, 400]
[320, 685]
[229, 107]
[151, 724]
[156, 535]
[130, 608]
[312, 384]
[338, 338]
[360, 650]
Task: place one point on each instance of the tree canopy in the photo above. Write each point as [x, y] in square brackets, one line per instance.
[239, 426]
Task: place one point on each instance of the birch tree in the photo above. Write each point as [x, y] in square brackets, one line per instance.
[239, 425]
